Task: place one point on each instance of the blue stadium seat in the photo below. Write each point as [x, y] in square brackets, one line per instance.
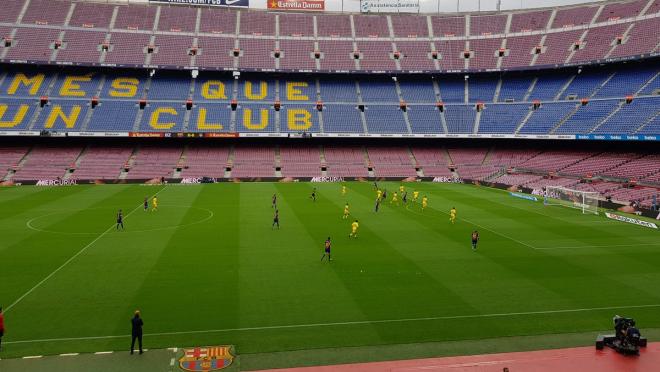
[460, 118]
[338, 90]
[514, 88]
[482, 89]
[417, 90]
[215, 117]
[342, 119]
[452, 88]
[167, 117]
[629, 117]
[378, 90]
[546, 117]
[385, 119]
[502, 118]
[587, 117]
[111, 116]
[424, 119]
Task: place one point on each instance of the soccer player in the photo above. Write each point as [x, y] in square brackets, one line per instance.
[376, 186]
[276, 219]
[475, 239]
[313, 196]
[120, 220]
[274, 201]
[401, 189]
[146, 203]
[354, 229]
[377, 205]
[343, 190]
[415, 196]
[379, 194]
[385, 194]
[452, 215]
[327, 245]
[405, 197]
[346, 212]
[395, 198]
[425, 202]
[154, 204]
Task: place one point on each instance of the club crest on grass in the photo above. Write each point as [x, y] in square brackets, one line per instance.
[209, 358]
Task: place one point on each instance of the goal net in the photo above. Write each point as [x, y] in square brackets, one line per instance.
[586, 201]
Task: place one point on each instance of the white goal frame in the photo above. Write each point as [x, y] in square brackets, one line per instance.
[587, 201]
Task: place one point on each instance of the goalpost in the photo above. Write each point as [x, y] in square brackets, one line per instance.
[587, 201]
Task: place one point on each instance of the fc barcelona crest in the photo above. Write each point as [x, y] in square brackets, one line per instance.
[209, 358]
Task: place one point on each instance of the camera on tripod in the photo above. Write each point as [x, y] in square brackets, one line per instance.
[626, 338]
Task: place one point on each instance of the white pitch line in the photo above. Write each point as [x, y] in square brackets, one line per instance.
[172, 362]
[481, 227]
[33, 357]
[69, 354]
[103, 352]
[351, 323]
[601, 246]
[73, 257]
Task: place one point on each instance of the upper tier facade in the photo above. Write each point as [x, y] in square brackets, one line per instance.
[205, 38]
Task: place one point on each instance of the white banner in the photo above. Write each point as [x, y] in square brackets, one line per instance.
[389, 6]
[631, 220]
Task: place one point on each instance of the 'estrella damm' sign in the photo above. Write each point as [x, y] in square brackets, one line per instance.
[208, 358]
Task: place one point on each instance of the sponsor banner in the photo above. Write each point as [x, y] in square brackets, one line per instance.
[221, 135]
[305, 5]
[447, 180]
[230, 3]
[523, 196]
[631, 220]
[146, 134]
[618, 137]
[56, 182]
[327, 179]
[197, 180]
[389, 6]
[19, 133]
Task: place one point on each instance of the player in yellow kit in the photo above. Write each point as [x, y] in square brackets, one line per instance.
[452, 215]
[415, 196]
[343, 190]
[154, 204]
[346, 212]
[354, 228]
[425, 202]
[379, 194]
[401, 189]
[395, 199]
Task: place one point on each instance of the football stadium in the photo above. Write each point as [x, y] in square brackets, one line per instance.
[329, 185]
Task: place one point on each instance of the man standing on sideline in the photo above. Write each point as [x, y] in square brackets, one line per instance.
[136, 333]
[2, 326]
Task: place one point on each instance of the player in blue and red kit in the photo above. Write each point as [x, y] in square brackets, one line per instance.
[120, 220]
[327, 245]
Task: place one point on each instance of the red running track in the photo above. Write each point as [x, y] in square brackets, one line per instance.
[584, 359]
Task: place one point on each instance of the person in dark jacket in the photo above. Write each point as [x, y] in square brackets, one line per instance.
[2, 326]
[136, 332]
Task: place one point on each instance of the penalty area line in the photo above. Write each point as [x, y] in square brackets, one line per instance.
[352, 323]
[479, 226]
[73, 257]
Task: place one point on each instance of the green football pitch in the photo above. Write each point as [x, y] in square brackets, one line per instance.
[208, 269]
